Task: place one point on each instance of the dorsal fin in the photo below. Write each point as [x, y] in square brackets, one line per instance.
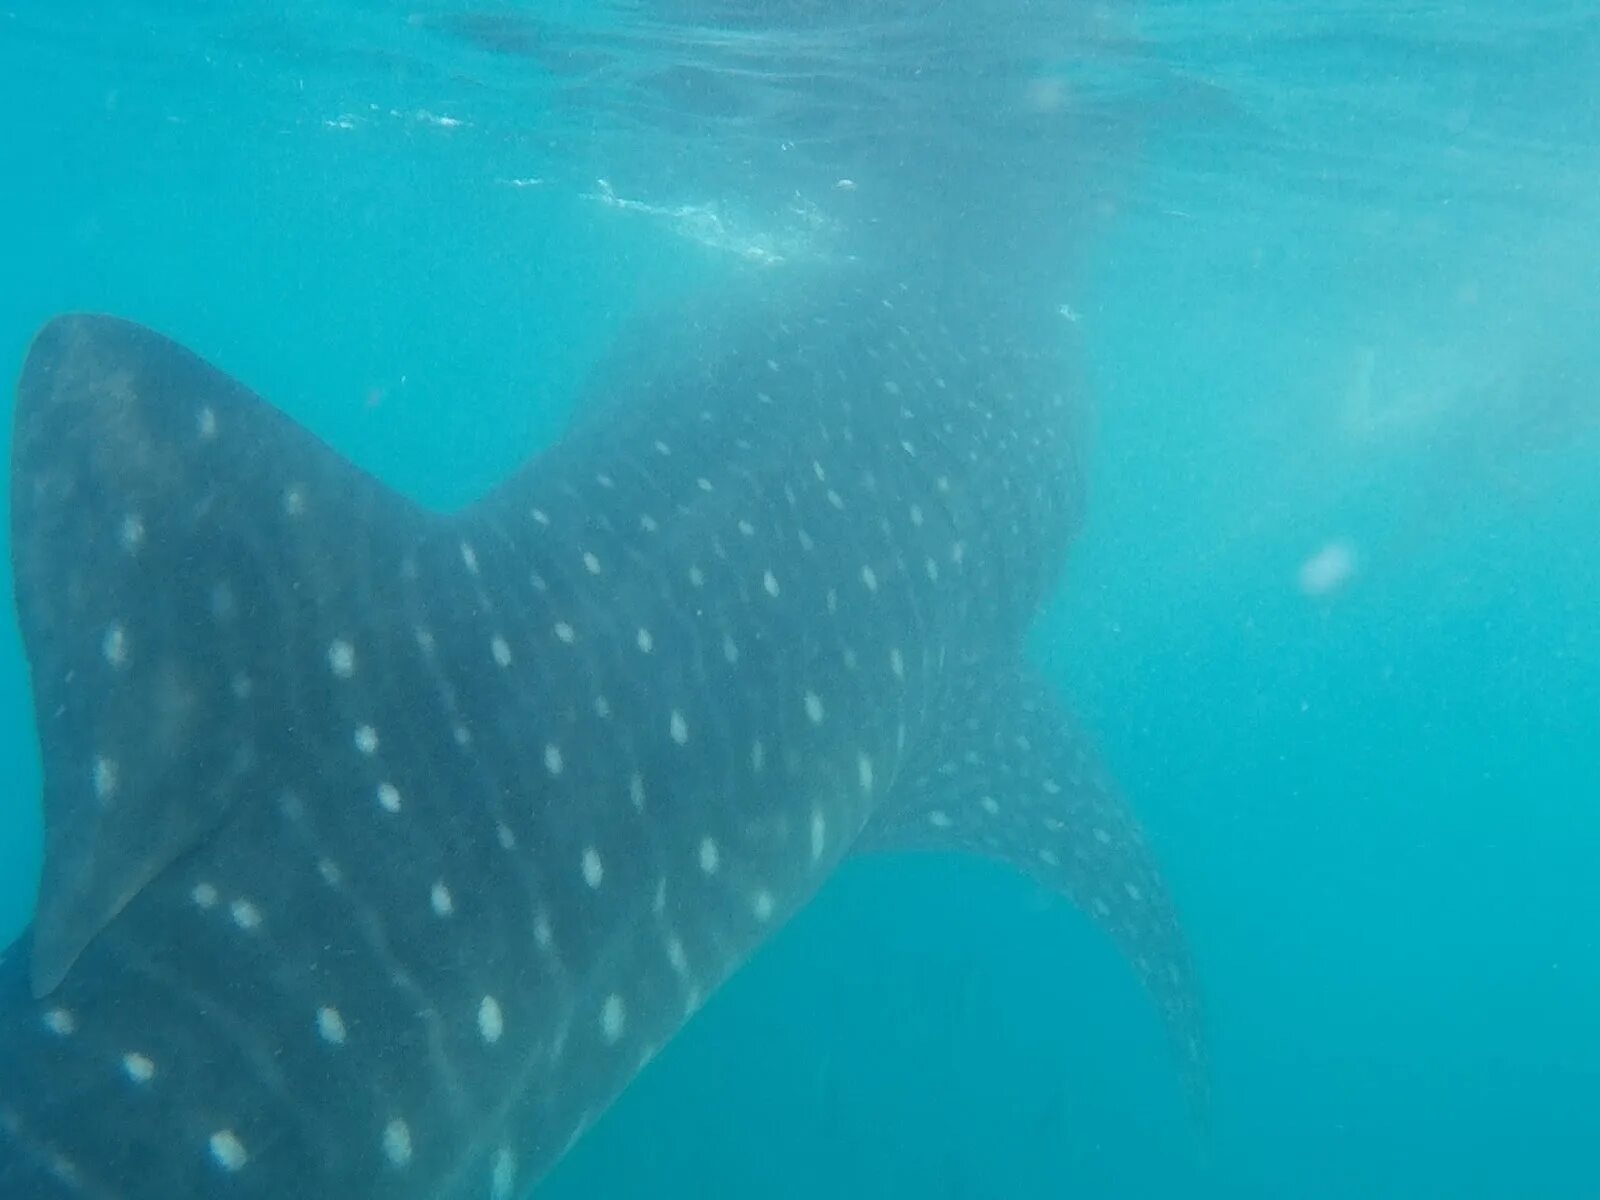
[162, 527]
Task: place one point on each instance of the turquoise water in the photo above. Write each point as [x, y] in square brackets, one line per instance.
[1339, 296]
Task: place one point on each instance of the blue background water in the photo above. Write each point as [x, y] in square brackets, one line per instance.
[1354, 303]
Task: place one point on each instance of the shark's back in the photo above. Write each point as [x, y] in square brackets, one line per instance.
[384, 847]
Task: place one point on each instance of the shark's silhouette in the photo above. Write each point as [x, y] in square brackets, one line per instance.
[385, 846]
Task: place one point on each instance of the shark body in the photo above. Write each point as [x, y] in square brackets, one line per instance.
[385, 846]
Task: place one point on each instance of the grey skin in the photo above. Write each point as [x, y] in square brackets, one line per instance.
[385, 846]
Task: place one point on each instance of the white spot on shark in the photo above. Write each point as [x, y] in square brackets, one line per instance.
[761, 905]
[813, 705]
[341, 658]
[677, 956]
[131, 533]
[864, 771]
[139, 1068]
[613, 1019]
[440, 900]
[330, 1025]
[114, 645]
[104, 778]
[491, 1022]
[245, 915]
[397, 1143]
[227, 1151]
[502, 1175]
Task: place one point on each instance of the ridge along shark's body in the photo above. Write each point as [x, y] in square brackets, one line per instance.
[384, 847]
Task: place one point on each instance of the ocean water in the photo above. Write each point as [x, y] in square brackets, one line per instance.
[1334, 618]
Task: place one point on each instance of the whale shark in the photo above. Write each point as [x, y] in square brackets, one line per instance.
[385, 845]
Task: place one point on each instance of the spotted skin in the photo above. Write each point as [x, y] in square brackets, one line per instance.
[384, 847]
